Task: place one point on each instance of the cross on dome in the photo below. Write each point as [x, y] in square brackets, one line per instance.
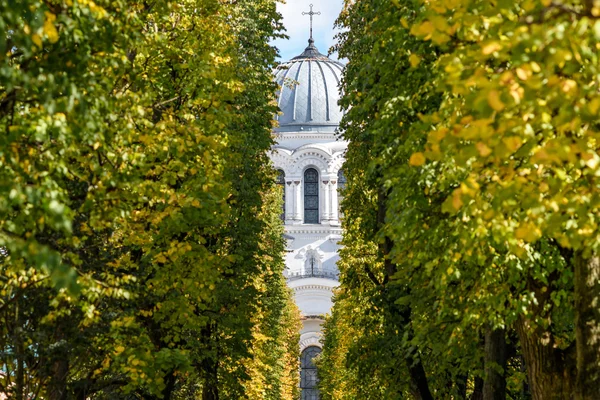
[311, 13]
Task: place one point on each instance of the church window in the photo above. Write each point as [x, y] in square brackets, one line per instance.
[281, 183]
[308, 373]
[311, 196]
[341, 180]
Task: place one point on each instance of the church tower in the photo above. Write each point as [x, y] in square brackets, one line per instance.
[309, 157]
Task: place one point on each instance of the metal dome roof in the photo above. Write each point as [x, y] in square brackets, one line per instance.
[309, 92]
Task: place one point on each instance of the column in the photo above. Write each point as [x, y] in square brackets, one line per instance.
[298, 202]
[334, 202]
[289, 200]
[326, 195]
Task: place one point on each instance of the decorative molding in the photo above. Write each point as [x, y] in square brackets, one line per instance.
[308, 251]
[311, 339]
[313, 287]
[310, 159]
[322, 237]
[337, 162]
[282, 159]
[326, 231]
[282, 136]
[293, 162]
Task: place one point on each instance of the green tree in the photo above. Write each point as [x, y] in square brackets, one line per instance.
[138, 200]
[523, 134]
[472, 184]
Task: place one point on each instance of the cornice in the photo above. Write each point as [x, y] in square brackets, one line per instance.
[312, 288]
[294, 135]
[304, 229]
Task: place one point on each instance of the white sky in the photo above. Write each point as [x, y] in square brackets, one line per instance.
[297, 26]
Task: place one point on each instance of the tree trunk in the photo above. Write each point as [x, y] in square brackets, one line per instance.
[210, 390]
[587, 325]
[210, 366]
[550, 371]
[461, 386]
[170, 381]
[19, 349]
[59, 365]
[58, 382]
[478, 389]
[494, 387]
[419, 385]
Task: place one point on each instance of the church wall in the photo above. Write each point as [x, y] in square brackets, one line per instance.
[306, 138]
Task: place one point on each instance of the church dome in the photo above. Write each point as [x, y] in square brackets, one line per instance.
[309, 92]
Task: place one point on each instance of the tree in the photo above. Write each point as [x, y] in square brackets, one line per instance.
[139, 200]
[478, 186]
[517, 140]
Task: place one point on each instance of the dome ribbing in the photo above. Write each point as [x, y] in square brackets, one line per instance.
[309, 92]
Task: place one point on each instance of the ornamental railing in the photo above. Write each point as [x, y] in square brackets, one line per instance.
[317, 274]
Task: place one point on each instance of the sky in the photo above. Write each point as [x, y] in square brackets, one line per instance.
[298, 26]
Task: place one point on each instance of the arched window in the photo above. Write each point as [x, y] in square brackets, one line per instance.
[340, 193]
[281, 183]
[341, 180]
[308, 373]
[311, 196]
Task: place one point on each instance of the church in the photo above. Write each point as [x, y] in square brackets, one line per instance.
[308, 156]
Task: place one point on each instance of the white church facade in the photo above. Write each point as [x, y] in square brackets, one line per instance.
[309, 157]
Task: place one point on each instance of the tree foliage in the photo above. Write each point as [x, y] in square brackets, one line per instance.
[142, 253]
[472, 201]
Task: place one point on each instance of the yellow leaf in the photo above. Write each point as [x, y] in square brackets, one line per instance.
[457, 199]
[568, 85]
[591, 159]
[417, 159]
[517, 93]
[594, 105]
[426, 28]
[414, 60]
[528, 232]
[438, 134]
[483, 149]
[513, 143]
[494, 101]
[37, 39]
[49, 28]
[523, 73]
[489, 214]
[119, 349]
[490, 47]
